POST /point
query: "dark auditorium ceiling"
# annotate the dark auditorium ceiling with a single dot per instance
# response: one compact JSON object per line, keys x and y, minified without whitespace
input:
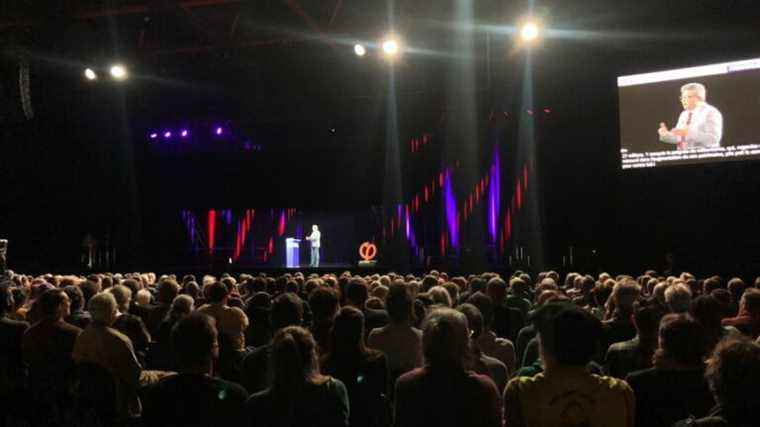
{"x":286,"y":59}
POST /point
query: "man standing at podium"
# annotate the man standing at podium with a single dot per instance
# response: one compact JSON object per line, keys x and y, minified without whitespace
{"x":314,"y":239}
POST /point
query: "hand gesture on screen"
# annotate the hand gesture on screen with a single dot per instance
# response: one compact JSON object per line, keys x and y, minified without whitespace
{"x":663,"y":130}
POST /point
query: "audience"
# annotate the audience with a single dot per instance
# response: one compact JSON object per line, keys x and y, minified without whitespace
{"x":654,"y":331}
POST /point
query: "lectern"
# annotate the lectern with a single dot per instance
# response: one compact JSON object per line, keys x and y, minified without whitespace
{"x":291,"y":252}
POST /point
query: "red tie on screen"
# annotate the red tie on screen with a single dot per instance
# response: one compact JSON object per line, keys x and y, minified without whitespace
{"x":682,"y":142}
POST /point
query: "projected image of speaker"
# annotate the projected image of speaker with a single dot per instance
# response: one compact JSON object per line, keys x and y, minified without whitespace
{"x":699,"y":114}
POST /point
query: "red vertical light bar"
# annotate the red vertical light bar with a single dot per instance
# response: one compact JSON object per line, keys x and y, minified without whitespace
{"x":211,"y":230}
{"x":518,"y":194}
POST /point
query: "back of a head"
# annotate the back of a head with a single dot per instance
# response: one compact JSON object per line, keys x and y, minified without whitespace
{"x":484,"y":304}
{"x":678,"y":298}
{"x":168,"y":289}
{"x":357,"y":292}
{"x":569,"y":334}
{"x":123,"y":296}
{"x":103,"y":308}
{"x":518,"y":286}
{"x":217,"y":292}
{"x":733,"y":372}
{"x":737,"y":287}
{"x":428,"y":282}
{"x":647,"y":321}
{"x":707,"y":310}
{"x":474,"y":318}
{"x":682,"y":341}
{"x":348,"y":333}
{"x":323,"y":302}
{"x":496,"y":289}
{"x":625,"y":294}
{"x":75,"y":297}
{"x":50,"y":303}
{"x":445,"y":339}
{"x":750,"y":302}
{"x":440,"y":296}
{"x":286,"y":310}
{"x":294,"y":360}
{"x":399,"y":302}
{"x":89,"y":289}
{"x":183,"y":305}
{"x":194,"y":340}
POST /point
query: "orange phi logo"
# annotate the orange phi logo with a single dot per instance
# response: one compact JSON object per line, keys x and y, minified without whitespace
{"x":367,"y":251}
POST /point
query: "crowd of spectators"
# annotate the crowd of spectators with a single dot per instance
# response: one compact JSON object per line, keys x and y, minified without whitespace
{"x":379,"y":350}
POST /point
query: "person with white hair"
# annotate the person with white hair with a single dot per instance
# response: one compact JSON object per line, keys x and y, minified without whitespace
{"x":100,"y":344}
{"x":700,"y":125}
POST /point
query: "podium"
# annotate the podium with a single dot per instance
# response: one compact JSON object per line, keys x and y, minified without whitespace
{"x":292,"y":252}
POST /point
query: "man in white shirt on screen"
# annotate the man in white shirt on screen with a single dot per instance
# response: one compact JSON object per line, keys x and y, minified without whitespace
{"x":700,"y":125}
{"x":314,"y":239}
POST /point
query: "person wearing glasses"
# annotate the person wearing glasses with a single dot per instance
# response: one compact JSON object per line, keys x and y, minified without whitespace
{"x":700,"y":125}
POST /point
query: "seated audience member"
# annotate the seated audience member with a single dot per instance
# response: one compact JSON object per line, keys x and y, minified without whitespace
{"x":748,"y":320}
{"x":619,"y":326}
{"x":733,"y":372}
{"x":193,"y":397}
{"x":675,"y":388}
{"x":399,"y":340}
{"x":364,"y":372}
{"x":357,"y":293}
{"x":12,"y":368}
{"x":298,"y":394}
{"x":324,"y":303}
{"x":444,"y":392}
{"x":678,"y":298}
{"x":487,"y":341}
{"x":47,"y":348}
{"x":480,"y":362}
{"x":636,"y":354}
{"x":507,"y":321}
{"x":566,"y":393}
{"x":259,"y":332}
{"x":168,"y":289}
{"x":128,"y":324}
{"x":708,"y":311}
{"x":256,"y":375}
{"x":162,"y":355}
{"x":78,"y":317}
{"x":108,"y":348}
{"x":231,"y":322}
{"x":518,"y":296}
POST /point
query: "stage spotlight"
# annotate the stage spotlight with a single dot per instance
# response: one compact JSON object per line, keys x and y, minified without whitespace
{"x":118,"y":72}
{"x":219,"y":130}
{"x":184,"y":133}
{"x":390,"y":47}
{"x":167,"y":134}
{"x":89,"y":74}
{"x":360,"y":50}
{"x":529,"y":31}
{"x":153,"y":135}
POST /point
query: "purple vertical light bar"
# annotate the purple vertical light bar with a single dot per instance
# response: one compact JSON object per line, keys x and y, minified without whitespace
{"x":407,"y":225}
{"x":451,"y":210}
{"x":494,"y":195}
